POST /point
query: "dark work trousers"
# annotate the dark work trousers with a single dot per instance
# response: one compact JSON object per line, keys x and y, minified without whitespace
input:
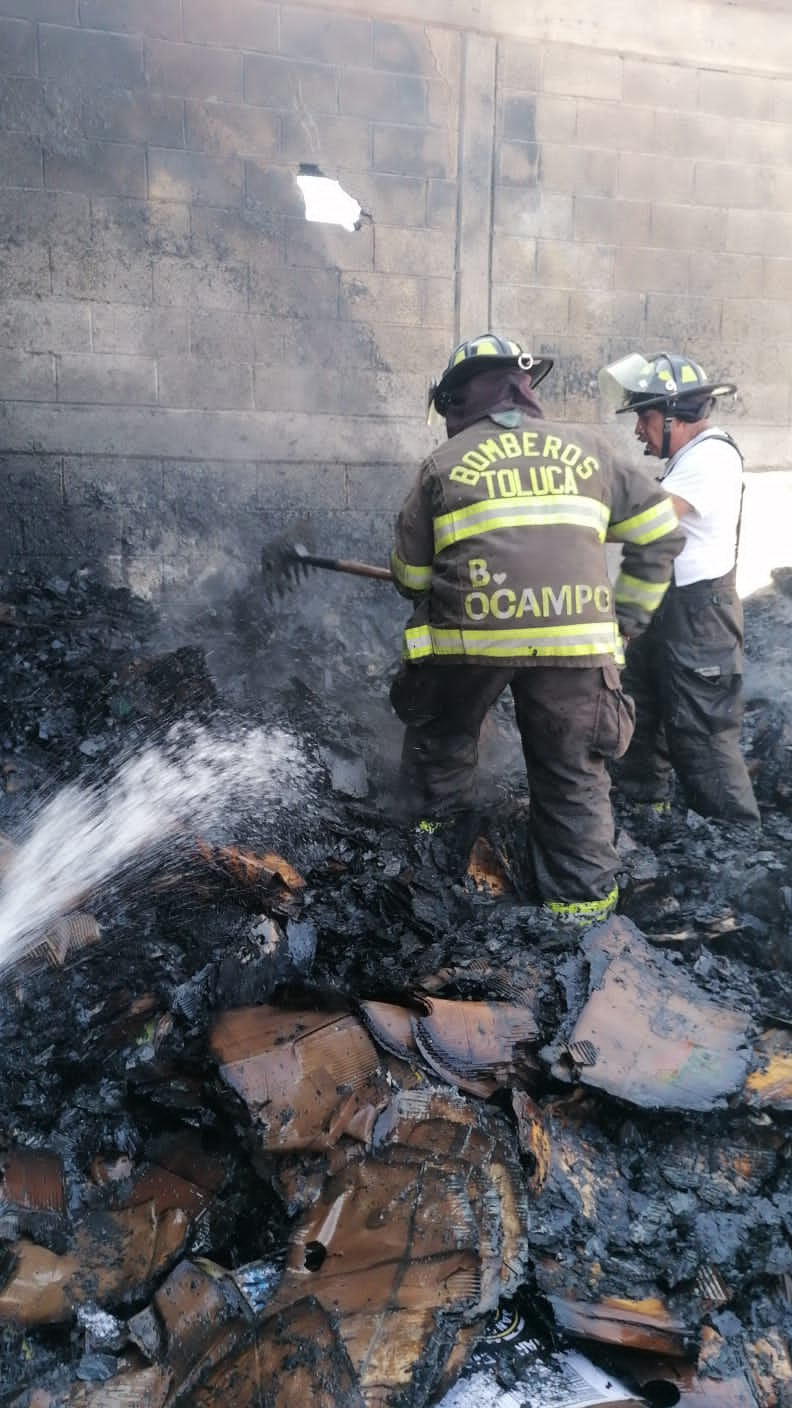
{"x":570,"y":720}
{"x":685,"y":675}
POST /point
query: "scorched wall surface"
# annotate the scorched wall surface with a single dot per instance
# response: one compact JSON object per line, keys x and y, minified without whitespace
{"x":186,"y":364}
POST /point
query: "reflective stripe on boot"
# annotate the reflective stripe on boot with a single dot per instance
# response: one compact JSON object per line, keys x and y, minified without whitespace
{"x":582,"y":911}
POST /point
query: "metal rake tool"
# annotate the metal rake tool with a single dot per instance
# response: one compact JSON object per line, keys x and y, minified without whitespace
{"x":284,"y":563}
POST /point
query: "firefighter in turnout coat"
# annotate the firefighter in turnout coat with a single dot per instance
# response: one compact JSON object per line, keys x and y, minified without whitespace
{"x":501,"y":547}
{"x":686,"y":672}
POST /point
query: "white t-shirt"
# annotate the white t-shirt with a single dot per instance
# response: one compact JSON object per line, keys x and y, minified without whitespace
{"x":707,"y":472}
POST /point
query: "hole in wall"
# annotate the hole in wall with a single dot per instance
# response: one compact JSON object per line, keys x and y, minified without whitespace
{"x":326,"y":201}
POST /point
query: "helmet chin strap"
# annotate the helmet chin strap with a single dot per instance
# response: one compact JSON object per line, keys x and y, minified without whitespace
{"x":665,"y":448}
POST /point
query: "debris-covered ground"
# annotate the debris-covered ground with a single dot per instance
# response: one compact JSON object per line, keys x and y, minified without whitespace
{"x":301,"y":1103}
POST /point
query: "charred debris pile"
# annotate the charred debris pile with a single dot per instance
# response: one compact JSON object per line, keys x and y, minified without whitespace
{"x":299,"y":1103}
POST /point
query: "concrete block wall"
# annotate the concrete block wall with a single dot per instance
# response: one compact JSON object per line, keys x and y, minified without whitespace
{"x":186,"y":364}
{"x":647,"y":201}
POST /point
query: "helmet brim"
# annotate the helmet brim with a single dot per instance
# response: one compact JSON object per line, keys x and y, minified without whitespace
{"x":452,"y":380}
{"x":630,"y":384}
{"x":707,"y":391}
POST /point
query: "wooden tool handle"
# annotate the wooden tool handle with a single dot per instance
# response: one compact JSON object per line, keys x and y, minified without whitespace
{"x":343,"y":564}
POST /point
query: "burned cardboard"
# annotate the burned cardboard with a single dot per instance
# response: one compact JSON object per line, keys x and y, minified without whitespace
{"x":420,"y":1237}
{"x":403,"y":1252}
{"x":478,"y":1046}
{"x":647,"y":1033}
{"x":445,"y":1123}
{"x":645,"y":1323}
{"x":489,"y":869}
{"x":392,"y":1027}
{"x":769,"y":1084}
{"x":64,"y":941}
{"x":185,"y":1326}
{"x":32,"y":1200}
{"x":300,"y":1360}
{"x":265,"y":875}
{"x":628,"y":1221}
{"x":660,"y":1245}
{"x":32,"y":1180}
{"x":112,"y":1257}
{"x":305,"y":1081}
{"x":136,"y":1386}
{"x":719,"y":1378}
{"x":184,"y":1154}
{"x":512,"y":1366}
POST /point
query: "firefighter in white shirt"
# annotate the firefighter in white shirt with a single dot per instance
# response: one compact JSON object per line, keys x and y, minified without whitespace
{"x":685,"y":672}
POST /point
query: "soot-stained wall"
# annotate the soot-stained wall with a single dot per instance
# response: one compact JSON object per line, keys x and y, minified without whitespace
{"x":186,"y":365}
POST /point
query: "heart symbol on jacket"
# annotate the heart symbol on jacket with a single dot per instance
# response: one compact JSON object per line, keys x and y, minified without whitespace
{"x":499,"y":578}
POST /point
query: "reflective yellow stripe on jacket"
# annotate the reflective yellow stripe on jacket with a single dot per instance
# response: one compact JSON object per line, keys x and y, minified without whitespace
{"x":415,"y":579}
{"x":488,"y":515}
{"x":634,"y":591}
{"x":645,"y":527}
{"x":591,"y":638}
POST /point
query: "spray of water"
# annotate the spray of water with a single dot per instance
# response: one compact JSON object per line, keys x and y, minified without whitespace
{"x":87,"y":834}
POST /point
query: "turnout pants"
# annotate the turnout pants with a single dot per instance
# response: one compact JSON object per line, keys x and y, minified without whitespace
{"x":685,"y":675}
{"x":571,"y":721}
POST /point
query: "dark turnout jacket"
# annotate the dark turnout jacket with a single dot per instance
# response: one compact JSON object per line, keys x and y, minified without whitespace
{"x":501,"y":544}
